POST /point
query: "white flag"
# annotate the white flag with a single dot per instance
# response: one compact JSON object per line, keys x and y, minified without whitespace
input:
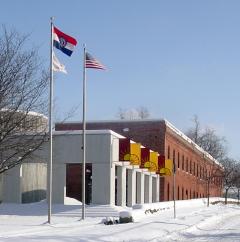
{"x":57,"y":66}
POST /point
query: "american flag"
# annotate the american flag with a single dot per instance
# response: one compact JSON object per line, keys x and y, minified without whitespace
{"x":91,"y":62}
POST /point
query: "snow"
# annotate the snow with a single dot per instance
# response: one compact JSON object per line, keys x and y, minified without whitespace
{"x":152,"y":222}
{"x":181,"y":134}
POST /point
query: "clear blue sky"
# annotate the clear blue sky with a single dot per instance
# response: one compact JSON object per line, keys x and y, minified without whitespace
{"x":177,"y":58}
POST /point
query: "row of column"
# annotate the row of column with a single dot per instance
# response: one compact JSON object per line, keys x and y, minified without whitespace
{"x":136,"y":186}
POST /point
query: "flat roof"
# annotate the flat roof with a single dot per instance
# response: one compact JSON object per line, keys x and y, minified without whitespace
{"x":89,"y":132}
{"x":115,"y":121}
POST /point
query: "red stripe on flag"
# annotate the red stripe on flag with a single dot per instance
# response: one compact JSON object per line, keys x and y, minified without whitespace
{"x":65,"y":36}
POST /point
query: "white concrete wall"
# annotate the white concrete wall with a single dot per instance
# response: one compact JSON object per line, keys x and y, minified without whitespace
{"x":34,"y":182}
{"x":148,"y":189}
{"x":101,"y":152}
{"x":121,"y":185}
{"x":103,"y":184}
{"x":154,"y":189}
{"x":1,"y":187}
{"x":131,"y":200}
{"x":158,"y":180}
{"x":101,"y":149}
{"x":140,"y":187}
{"x":59,"y":183}
{"x":12,"y":185}
{"x":67,"y":148}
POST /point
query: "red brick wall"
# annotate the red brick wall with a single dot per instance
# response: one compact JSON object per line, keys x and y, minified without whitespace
{"x":190,"y":183}
{"x":148,"y":133}
{"x":156,"y":136}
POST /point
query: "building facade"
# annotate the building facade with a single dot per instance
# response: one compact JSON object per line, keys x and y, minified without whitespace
{"x":109,"y":180}
{"x":197,"y":173}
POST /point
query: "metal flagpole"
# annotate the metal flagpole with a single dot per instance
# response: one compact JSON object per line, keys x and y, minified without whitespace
{"x":174,"y":188}
{"x":50,"y":129}
{"x":84,"y":133}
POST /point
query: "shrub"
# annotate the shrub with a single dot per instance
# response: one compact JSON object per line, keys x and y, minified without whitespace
{"x":125,"y":220}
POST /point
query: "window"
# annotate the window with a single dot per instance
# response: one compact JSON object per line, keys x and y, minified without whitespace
{"x":178,"y":158}
{"x":190,"y":166}
{"x":168,"y":192}
{"x":168,"y":152}
{"x":174,"y":164}
{"x":187,"y":165}
{"x":183,"y":162}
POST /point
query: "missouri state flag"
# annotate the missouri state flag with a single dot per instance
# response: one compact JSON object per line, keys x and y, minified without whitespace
{"x":63,"y":42}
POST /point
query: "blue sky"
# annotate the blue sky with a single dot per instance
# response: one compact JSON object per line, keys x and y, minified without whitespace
{"x":177,"y":58}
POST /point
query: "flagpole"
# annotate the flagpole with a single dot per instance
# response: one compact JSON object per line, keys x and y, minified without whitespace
{"x":49,"y":182}
{"x":84,"y":133}
{"x":174,"y":188}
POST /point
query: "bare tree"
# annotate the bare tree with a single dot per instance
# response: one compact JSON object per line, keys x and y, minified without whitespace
{"x":194,"y":132}
{"x":214,"y":174}
{"x":237,"y":180}
{"x":23,"y":83}
{"x":133,"y":114}
{"x":207,"y":139}
{"x":229,"y":175}
{"x":121,"y":113}
{"x":143,"y":112}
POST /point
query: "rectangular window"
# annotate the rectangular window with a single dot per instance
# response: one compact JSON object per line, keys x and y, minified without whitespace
{"x":168,"y":153}
{"x":183,"y":162}
{"x":178,"y":158}
{"x":174,"y":164}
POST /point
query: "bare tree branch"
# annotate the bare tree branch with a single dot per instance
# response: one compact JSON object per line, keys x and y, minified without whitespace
{"x":133,"y":114}
{"x":23,"y":83}
{"x":207,"y":139}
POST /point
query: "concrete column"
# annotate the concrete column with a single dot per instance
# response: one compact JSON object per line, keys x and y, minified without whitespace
{"x":154,"y":189}
{"x":140,"y":187}
{"x":158,"y":188}
{"x":121,"y":186}
{"x":148,"y":189}
{"x":1,"y":186}
{"x":12,"y":185}
{"x":103,"y":183}
{"x":59,"y":183}
{"x":131,"y":195}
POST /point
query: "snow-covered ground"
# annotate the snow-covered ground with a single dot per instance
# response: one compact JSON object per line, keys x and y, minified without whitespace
{"x":194,"y":222}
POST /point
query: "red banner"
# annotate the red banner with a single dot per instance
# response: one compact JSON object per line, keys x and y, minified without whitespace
{"x":145,"y":153}
{"x":124,"y":149}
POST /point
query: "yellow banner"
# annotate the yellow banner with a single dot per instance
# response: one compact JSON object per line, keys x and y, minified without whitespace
{"x":167,"y":170}
{"x":154,"y":160}
{"x":152,"y":164}
{"x":135,"y":153}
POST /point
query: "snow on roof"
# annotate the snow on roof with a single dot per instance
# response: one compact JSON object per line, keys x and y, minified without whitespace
{"x":183,"y":136}
{"x":20,"y":111}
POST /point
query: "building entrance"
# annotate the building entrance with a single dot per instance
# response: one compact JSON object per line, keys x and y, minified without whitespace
{"x":74,"y":182}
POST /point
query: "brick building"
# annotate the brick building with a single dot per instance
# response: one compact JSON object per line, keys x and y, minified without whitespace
{"x":197,"y":172}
